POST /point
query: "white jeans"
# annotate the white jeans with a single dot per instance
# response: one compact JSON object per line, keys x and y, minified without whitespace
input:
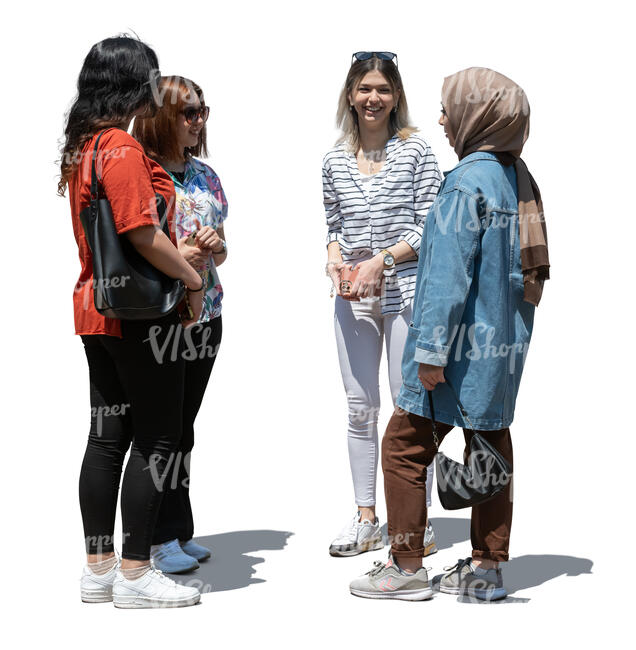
{"x":360,"y":331}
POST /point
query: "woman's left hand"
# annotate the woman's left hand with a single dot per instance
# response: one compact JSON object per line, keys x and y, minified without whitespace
{"x":370,"y":275}
{"x":430,"y":376}
{"x":209,"y":239}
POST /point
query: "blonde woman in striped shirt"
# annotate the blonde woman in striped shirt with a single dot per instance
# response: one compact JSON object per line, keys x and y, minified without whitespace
{"x":378,"y":183}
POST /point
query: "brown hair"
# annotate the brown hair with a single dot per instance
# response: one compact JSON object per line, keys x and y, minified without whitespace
{"x":347,"y":118}
{"x":158,"y":134}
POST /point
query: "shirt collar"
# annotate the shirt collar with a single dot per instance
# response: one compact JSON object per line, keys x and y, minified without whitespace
{"x":192,"y":168}
{"x":471,"y":157}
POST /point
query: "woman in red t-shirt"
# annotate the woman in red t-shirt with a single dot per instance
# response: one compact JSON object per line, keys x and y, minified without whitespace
{"x":136,"y":368}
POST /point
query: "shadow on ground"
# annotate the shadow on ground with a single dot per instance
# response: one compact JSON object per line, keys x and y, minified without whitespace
{"x":529,"y":571}
{"x":448,"y":531}
{"x":519,"y":573}
{"x":230,"y":567}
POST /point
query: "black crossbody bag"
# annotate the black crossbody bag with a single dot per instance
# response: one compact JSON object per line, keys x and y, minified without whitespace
{"x":125,"y":284}
{"x":486,"y":473}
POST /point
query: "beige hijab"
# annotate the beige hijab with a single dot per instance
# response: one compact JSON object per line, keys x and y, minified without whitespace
{"x":489,"y":112}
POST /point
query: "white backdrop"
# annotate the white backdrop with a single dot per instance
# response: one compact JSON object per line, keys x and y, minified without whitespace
{"x":271,"y":481}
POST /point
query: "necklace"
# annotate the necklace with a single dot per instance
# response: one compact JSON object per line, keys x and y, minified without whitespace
{"x":372,"y":158}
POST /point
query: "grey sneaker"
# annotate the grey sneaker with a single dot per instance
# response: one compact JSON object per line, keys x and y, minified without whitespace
{"x":357,"y":537}
{"x":429,"y":540}
{"x":387,"y":581}
{"x":464,"y":579}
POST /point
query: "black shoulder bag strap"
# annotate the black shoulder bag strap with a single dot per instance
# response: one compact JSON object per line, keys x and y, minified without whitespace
{"x":462,"y":410}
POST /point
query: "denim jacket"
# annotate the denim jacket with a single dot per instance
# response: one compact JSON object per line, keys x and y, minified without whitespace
{"x":468,"y":310}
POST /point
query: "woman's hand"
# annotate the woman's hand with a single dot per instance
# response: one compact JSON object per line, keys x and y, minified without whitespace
{"x":430,"y":376}
{"x":335,"y":270}
{"x":370,"y":274}
{"x":209,"y":239}
{"x":193,"y":254}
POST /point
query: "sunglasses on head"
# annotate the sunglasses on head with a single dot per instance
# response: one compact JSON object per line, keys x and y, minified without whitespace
{"x":365,"y":56}
{"x":192,"y":114}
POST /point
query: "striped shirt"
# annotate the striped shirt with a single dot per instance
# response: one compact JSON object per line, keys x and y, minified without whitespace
{"x":394,"y":209}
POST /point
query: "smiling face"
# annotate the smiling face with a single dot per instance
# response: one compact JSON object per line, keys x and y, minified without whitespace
{"x":188,"y":134}
{"x":373,"y":100}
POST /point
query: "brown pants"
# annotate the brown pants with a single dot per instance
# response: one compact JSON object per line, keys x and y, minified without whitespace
{"x":407,"y":449}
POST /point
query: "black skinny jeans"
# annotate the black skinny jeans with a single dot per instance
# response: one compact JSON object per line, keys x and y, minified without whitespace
{"x":175,"y":515}
{"x":136,"y":391}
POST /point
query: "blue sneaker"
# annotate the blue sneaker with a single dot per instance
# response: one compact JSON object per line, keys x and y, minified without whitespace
{"x":197,"y":551}
{"x":169,"y":558}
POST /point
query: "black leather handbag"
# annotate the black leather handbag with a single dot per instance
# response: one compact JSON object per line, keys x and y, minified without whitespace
{"x":125,"y":284}
{"x":486,"y":473}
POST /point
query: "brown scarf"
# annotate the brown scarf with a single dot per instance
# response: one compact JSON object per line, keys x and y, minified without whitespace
{"x":489,"y":112}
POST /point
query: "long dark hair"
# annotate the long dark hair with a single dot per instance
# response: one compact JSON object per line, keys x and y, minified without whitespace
{"x":119,"y":77}
{"x":347,"y":118}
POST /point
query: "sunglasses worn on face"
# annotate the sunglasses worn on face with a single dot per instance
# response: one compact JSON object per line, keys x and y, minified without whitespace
{"x":364,"y":56}
{"x":193,"y":114}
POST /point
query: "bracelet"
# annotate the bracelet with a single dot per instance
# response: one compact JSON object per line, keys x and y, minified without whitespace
{"x":199,"y":289}
{"x":223,"y":250}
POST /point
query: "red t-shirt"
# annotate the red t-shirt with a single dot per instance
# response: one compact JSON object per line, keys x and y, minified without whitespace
{"x":129,"y":181}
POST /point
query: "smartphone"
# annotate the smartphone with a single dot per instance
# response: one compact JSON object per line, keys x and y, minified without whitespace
{"x":191,"y":238}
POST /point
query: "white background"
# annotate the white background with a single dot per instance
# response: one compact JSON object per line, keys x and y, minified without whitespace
{"x":271,"y":450}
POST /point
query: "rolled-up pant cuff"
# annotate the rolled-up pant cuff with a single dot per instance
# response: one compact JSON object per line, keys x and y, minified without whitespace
{"x":418,"y":552}
{"x":495,"y":556}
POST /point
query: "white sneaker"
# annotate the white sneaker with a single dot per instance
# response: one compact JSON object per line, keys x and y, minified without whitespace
{"x":357,"y":537}
{"x":429,"y":540}
{"x":153,"y":589}
{"x":98,"y":588}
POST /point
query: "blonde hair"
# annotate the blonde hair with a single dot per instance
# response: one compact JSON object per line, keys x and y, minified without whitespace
{"x":347,"y":118}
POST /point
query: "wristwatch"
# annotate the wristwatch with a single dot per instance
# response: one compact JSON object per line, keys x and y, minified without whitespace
{"x":389,"y":260}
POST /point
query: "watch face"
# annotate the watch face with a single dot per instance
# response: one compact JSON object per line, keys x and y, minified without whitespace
{"x":389,"y":260}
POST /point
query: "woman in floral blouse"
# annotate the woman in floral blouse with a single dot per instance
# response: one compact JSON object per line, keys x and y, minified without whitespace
{"x":173,"y":137}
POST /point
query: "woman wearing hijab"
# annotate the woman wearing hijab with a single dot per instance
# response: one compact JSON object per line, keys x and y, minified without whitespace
{"x":481,"y":270}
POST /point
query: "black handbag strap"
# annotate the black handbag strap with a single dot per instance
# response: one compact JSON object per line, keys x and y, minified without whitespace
{"x":462,"y":410}
{"x":95,"y":183}
{"x":94,"y":179}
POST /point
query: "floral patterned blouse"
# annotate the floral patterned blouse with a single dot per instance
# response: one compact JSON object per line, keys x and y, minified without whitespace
{"x":200,"y":201}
